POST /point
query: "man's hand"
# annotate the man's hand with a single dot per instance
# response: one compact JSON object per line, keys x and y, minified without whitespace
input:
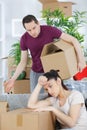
{"x":81,"y":66}
{"x":8,"y":85}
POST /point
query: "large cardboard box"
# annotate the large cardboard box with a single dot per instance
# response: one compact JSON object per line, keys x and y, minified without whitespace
{"x":20,"y":87}
{"x":60,"y":56}
{"x":24,"y":119}
{"x":4,"y":107}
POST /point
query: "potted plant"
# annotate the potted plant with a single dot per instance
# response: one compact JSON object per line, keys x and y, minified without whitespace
{"x":70,"y":25}
{"x":15,"y":53}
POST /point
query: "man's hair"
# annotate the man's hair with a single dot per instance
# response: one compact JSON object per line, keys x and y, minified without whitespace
{"x":28,"y":19}
{"x":53,"y":74}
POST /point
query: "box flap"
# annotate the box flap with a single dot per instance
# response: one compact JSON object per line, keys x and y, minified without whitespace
{"x":63,"y":45}
{"x":49,"y":49}
{"x":54,"y":47}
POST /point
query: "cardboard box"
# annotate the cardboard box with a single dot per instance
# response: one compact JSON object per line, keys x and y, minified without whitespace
{"x":24,"y":119}
{"x":10,"y":61}
{"x":13,"y":68}
{"x":65,"y":7}
{"x":27,"y":69}
{"x":60,"y":56}
{"x":21,"y":87}
{"x":4,"y":107}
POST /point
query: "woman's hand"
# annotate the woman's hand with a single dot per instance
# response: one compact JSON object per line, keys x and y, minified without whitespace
{"x":42,"y":80}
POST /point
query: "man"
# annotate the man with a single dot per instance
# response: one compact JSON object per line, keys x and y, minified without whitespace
{"x":35,"y":37}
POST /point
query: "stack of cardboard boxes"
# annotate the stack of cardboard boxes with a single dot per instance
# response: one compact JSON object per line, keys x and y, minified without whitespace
{"x":66,"y":7}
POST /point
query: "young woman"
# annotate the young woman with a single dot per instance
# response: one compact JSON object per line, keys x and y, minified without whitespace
{"x":67,"y":105}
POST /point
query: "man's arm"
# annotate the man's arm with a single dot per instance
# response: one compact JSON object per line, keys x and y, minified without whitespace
{"x":21,"y":66}
{"x":10,"y":83}
{"x":80,"y":57}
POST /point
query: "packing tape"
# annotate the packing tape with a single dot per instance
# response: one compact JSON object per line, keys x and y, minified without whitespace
{"x":19,"y":120}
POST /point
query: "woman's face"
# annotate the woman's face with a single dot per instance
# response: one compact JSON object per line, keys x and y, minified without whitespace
{"x":33,"y":28}
{"x":53,"y":87}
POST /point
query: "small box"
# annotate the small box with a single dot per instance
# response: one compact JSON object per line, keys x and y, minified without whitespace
{"x":12,"y":67}
{"x":60,"y":56}
{"x":27,"y":70}
{"x":21,"y":87}
{"x":4,"y":107}
{"x":24,"y":119}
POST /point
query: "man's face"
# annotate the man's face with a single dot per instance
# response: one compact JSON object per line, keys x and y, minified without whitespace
{"x":32,"y":28}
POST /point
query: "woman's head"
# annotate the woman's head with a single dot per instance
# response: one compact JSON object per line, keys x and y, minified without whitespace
{"x":52,"y":74}
{"x":54,"y":82}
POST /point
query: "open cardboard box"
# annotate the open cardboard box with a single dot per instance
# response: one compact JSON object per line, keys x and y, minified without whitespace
{"x":61,"y":56}
{"x":25,"y":119}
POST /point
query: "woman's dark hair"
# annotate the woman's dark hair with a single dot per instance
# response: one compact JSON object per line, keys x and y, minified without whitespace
{"x":53,"y":74}
{"x":86,"y":103}
{"x":28,"y":19}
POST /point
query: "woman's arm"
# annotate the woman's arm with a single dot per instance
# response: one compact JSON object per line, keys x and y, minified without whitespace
{"x":33,"y":100}
{"x":71,"y":119}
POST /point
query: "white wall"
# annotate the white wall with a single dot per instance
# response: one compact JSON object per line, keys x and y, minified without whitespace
{"x":18,"y":9}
